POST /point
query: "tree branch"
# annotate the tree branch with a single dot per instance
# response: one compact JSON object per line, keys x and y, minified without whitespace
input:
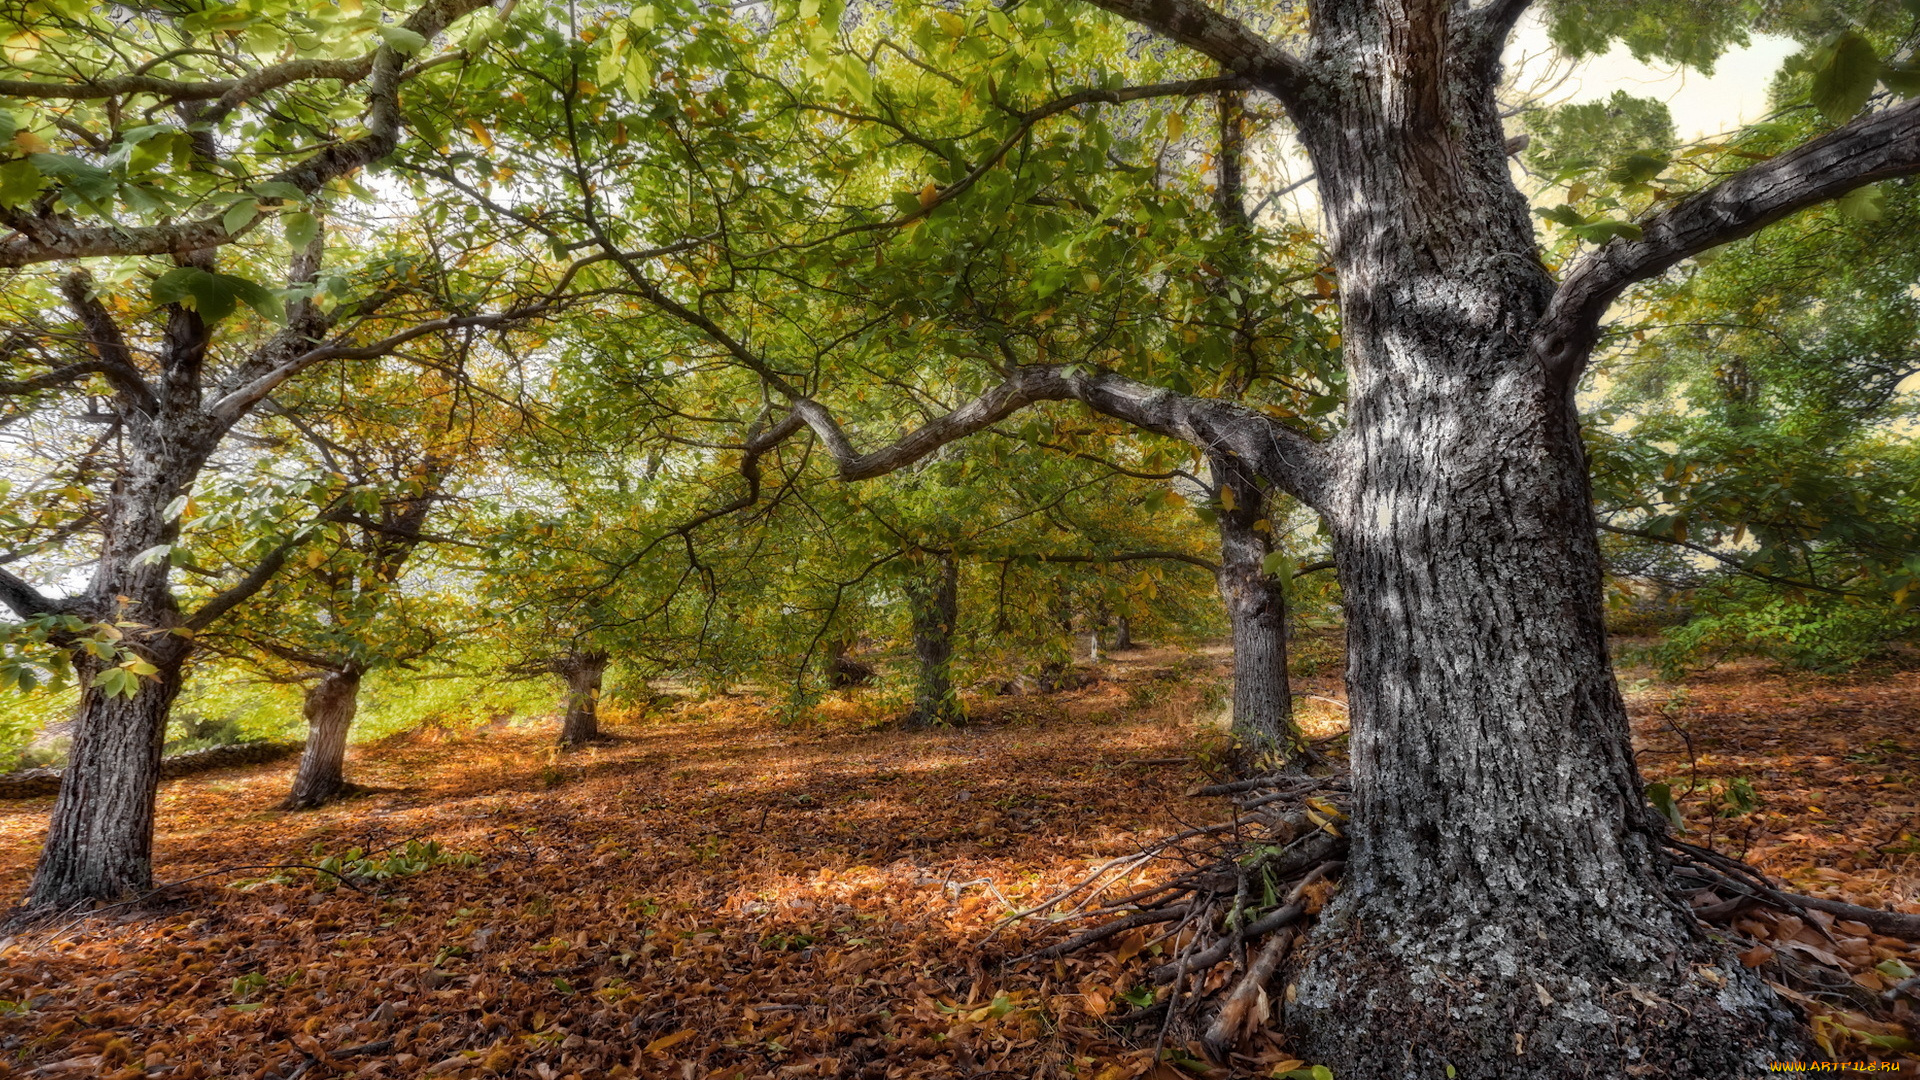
{"x":1280,"y":455}
{"x":1489,"y":26}
{"x":1129,"y":556}
{"x":1727,"y":560}
{"x":1880,"y":146}
{"x":230,"y":92}
{"x":25,"y":600}
{"x":37,"y":239}
{"x":1221,"y":37}
{"x":109,"y":345}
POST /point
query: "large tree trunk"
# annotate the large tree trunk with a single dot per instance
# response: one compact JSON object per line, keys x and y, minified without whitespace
{"x":99,"y":844}
{"x":1506,"y":912}
{"x":584,"y":673}
{"x":330,"y":707}
{"x":934,"y":598}
{"x":1263,"y":730}
{"x":100,"y":840}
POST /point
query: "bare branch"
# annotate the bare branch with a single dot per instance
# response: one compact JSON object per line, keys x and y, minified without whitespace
{"x":1879,"y":146}
{"x":1280,"y":455}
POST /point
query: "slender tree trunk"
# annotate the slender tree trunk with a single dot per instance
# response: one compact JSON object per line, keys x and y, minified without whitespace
{"x":1506,"y":912}
{"x":584,"y":673}
{"x":1122,"y":633}
{"x":100,"y":842}
{"x":1263,"y":728}
{"x":330,"y":707}
{"x":1057,"y":674}
{"x":935,"y":601}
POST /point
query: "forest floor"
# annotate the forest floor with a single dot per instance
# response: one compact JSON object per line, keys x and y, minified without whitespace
{"x":714,"y":895}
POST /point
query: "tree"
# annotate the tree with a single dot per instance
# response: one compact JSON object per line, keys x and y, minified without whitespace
{"x":398,"y":441}
{"x":175,"y":156}
{"x":1506,"y":911}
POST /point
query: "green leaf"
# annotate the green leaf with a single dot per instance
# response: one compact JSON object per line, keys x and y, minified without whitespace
{"x":239,"y":216}
{"x":214,"y":296}
{"x":1638,"y":167}
{"x":1661,"y":796}
{"x":300,"y":228}
{"x":1277,"y":564}
{"x":401,"y":40}
{"x":1844,"y":71}
{"x":1599,"y":232}
{"x":91,"y":184}
{"x":1865,"y":203}
{"x":19,"y":183}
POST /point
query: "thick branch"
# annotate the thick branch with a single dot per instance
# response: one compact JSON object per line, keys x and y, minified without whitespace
{"x":1880,"y":146}
{"x":1221,"y":37}
{"x":25,"y":600}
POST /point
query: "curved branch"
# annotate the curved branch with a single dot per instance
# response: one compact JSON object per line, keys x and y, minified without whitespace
{"x":1280,"y":455}
{"x":1880,"y":146}
{"x":1726,"y":560}
{"x":1221,"y":37}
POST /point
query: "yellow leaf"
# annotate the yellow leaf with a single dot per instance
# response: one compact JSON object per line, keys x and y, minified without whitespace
{"x":668,"y":1042}
{"x":1176,"y":125}
{"x":1227,"y":501}
{"x":928,"y":194}
{"x":31,"y":143}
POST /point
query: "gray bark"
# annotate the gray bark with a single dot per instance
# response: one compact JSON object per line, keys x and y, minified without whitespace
{"x":1506,"y":912}
{"x":1505,"y":898}
{"x":934,"y":599}
{"x":584,"y":673}
{"x":1264,"y":734}
{"x":99,"y":843}
{"x":329,"y":708}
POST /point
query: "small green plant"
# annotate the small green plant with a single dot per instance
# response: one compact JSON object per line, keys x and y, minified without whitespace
{"x":356,"y":866}
{"x":246,"y":987}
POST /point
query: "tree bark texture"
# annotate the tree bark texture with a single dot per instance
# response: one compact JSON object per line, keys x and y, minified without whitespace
{"x":329,"y":708}
{"x":99,"y":844}
{"x":934,"y":597}
{"x":100,"y":839}
{"x":1263,"y":730}
{"x":1505,"y":911}
{"x":584,"y":673}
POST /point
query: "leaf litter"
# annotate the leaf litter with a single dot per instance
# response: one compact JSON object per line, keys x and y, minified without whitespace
{"x":714,"y":895}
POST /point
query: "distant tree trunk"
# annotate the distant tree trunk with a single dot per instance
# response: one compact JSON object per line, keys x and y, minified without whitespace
{"x":583,"y":672}
{"x":935,"y":600}
{"x":843,"y":671}
{"x":329,"y":708}
{"x":1122,"y":633}
{"x":1057,"y":674}
{"x":99,"y":843}
{"x":1256,"y":605}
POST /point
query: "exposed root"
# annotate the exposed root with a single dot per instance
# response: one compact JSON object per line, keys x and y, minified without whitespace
{"x":1237,"y":895}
